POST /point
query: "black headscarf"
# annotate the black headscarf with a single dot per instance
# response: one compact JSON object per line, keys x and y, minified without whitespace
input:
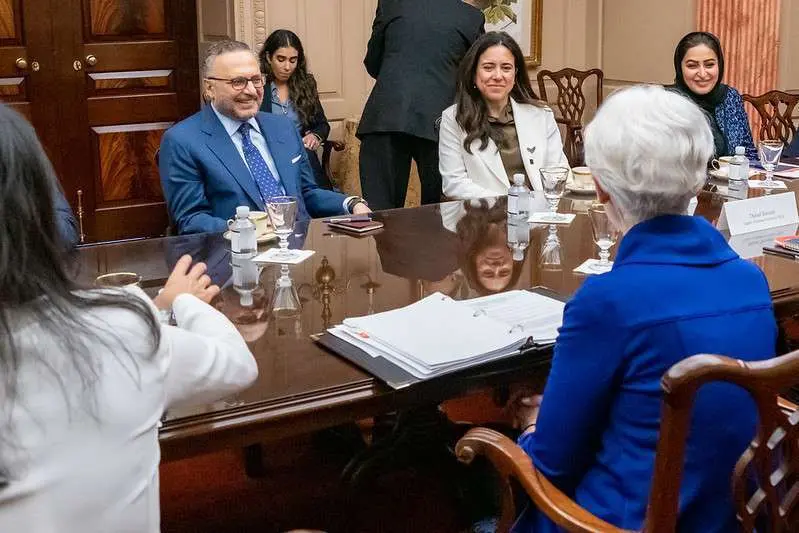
{"x":710,"y":101}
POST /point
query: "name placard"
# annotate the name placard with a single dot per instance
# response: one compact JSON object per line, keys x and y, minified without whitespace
{"x":756,"y":214}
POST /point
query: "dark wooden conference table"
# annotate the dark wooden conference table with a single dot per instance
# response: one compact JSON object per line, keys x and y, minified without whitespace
{"x":447,"y":247}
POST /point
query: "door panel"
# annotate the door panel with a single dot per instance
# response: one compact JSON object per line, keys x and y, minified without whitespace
{"x":14,"y":63}
{"x":139,"y":76}
{"x":115,"y":19}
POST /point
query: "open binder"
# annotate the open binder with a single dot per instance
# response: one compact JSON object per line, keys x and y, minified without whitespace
{"x":438,"y":335}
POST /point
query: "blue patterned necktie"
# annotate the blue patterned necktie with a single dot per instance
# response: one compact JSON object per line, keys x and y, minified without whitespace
{"x":266,"y":182}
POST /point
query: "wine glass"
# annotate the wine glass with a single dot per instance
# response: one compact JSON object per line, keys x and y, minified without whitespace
{"x":604,"y":233}
{"x":551,"y":257}
{"x":285,"y":301}
{"x":770,"y":151}
{"x":282,"y":212}
{"x":554,"y":181}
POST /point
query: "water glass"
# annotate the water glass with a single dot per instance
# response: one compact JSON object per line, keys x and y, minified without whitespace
{"x":285,"y":301}
{"x":554,"y":181}
{"x":551,"y":257}
{"x":282,"y":212}
{"x":770,"y":151}
{"x":605,"y":235}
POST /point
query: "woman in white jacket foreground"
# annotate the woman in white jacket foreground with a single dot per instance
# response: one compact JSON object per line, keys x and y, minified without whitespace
{"x":497,"y":127}
{"x":86,"y":374}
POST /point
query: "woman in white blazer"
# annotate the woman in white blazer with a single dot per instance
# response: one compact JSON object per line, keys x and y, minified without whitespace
{"x":497,"y":126}
{"x":86,"y":374}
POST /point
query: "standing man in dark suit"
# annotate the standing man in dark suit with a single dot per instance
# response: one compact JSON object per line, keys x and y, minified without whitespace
{"x":413,"y":53}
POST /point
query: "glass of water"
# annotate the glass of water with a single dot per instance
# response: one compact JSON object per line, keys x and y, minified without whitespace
{"x":770,"y":151}
{"x":554,"y":181}
{"x":605,"y":235}
{"x":282,"y":212}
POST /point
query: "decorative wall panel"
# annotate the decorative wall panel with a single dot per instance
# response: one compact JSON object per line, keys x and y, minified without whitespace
{"x":749,"y":31}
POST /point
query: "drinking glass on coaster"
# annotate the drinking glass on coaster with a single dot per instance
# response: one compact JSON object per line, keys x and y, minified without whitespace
{"x":605,"y":235}
{"x":117,"y":280}
{"x":770,"y":151}
{"x":554,"y":182}
{"x":285,"y":302}
{"x":282,"y":212}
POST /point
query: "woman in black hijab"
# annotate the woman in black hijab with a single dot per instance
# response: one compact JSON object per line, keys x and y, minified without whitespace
{"x":698,"y":71}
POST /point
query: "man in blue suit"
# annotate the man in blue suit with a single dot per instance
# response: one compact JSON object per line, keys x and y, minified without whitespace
{"x":229,"y":154}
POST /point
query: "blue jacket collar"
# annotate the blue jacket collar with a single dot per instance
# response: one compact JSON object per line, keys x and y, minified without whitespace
{"x":675,"y":240}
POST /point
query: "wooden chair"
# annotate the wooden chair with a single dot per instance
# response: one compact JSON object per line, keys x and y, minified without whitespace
{"x":765,"y":482}
{"x":776,"y":110}
{"x":570,"y":103}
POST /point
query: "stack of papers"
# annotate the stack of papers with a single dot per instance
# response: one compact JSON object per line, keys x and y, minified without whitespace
{"x":438,"y":335}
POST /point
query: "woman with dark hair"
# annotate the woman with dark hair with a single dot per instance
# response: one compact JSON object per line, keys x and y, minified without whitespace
{"x":698,"y":71}
{"x":497,"y":127}
{"x":86,"y":374}
{"x":292,"y":93}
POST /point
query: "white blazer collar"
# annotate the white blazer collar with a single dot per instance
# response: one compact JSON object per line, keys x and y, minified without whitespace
{"x":531,"y":145}
{"x":491,"y":158}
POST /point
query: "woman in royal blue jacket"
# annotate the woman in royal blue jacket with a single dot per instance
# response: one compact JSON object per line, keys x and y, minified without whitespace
{"x":676,"y":289}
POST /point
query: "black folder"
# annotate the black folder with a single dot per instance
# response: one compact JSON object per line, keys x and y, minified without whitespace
{"x":397,"y":378}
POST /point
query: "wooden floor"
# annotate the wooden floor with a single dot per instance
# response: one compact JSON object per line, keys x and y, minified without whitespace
{"x":211,"y":493}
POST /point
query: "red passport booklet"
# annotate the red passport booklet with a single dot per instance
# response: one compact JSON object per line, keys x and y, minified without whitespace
{"x":357,"y":227}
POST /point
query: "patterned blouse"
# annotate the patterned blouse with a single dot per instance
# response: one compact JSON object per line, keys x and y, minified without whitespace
{"x":734,"y":124}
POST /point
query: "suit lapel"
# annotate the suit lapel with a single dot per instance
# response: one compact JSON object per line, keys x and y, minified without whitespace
{"x":492,"y":160}
{"x":220,"y":143}
{"x":531,"y":146}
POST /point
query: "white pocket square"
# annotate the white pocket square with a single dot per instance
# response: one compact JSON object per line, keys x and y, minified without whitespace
{"x":296,"y":159}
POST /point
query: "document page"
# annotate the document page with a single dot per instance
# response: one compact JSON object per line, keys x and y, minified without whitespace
{"x":525,"y":313}
{"x":435,"y":331}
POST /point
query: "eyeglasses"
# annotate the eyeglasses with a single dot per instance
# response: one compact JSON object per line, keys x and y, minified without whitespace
{"x":241,"y":82}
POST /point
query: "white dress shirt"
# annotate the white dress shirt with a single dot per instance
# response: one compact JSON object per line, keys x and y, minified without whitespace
{"x":84,"y":459}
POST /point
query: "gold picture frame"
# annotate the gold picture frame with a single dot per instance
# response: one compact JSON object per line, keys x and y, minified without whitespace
{"x":513,"y":17}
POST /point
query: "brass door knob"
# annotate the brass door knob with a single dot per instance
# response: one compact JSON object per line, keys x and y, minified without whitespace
{"x":91,"y":60}
{"x":21,"y":63}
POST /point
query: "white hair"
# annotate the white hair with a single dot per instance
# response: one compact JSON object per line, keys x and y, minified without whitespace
{"x":648,"y":148}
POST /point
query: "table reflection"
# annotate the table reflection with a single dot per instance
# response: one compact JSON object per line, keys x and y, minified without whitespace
{"x":463,"y":249}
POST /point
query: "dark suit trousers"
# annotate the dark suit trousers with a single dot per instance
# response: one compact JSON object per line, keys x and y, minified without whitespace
{"x":385,"y":166}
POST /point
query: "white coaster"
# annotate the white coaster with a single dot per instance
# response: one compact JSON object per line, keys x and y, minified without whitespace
{"x":591,"y":266}
{"x":273,"y":255}
{"x":545,"y":218}
{"x":758,"y":184}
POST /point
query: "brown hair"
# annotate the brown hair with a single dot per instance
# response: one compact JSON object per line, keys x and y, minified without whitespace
{"x":471,"y":110}
{"x":302,"y":84}
{"x":477,"y":230}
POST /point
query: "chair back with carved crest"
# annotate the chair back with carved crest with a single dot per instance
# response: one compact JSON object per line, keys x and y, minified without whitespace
{"x":764,"y":483}
{"x":570,"y":103}
{"x":776,"y":110}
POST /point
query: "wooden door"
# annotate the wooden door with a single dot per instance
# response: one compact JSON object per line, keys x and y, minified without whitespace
{"x":26,"y":42}
{"x":133,"y":72}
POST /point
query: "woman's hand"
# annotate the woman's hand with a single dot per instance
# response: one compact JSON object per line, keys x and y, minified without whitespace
{"x":186,"y":279}
{"x":523,"y":408}
{"x":311,"y":141}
